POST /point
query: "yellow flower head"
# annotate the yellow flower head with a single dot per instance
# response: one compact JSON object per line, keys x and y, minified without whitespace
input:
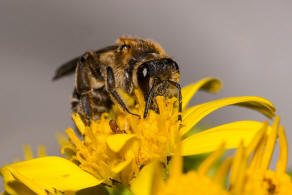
{"x":114,"y":151}
{"x":254,"y":176}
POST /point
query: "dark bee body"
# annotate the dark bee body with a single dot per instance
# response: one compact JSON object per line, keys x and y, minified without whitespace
{"x":131,"y":63}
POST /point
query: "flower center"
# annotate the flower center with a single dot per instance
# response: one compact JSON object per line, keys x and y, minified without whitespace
{"x":116,"y":150}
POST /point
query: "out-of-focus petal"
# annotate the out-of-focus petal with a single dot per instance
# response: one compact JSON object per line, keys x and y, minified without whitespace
{"x":271,"y":144}
{"x":143,"y":184}
{"x":283,"y":157}
{"x":232,"y":134}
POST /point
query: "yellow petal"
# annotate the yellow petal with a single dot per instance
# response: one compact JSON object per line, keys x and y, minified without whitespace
{"x":207,"y":164}
{"x":236,"y":164}
{"x":12,"y":186}
{"x":207,"y":84}
{"x":283,"y":157}
{"x":270,"y":144}
{"x":256,"y":139}
{"x":96,"y":190}
{"x":65,"y":145}
{"x":121,"y":166}
{"x":118,"y":141}
{"x":232,"y":134}
{"x":48,"y":174}
{"x":34,"y":186}
{"x":257,"y":157}
{"x":194,"y":114}
{"x":73,"y":138}
{"x":238,"y":170}
{"x":223,"y":171}
{"x":143,"y":183}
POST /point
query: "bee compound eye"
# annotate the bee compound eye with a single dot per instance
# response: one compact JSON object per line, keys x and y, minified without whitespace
{"x":125,"y":47}
{"x":127,"y":74}
{"x":83,"y":58}
{"x":145,"y":72}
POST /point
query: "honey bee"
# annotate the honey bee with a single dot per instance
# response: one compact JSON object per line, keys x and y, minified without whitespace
{"x":129,"y":64}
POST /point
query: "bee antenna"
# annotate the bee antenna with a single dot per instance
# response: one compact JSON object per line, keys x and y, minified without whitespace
{"x":149,"y":96}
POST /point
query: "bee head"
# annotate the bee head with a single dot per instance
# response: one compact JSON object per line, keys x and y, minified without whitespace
{"x":149,"y":69}
{"x":157,"y":74}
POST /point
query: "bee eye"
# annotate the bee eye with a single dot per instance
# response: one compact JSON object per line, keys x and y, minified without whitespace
{"x":127,"y":75}
{"x":145,"y":72}
{"x":124,"y":47}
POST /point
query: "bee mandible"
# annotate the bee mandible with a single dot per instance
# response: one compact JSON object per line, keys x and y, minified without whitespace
{"x":129,"y":64}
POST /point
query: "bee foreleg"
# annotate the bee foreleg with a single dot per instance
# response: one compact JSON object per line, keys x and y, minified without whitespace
{"x":149,"y":96}
{"x":113,"y":92}
{"x":179,"y":98}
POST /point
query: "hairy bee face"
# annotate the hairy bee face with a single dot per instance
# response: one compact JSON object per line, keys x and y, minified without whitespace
{"x":148,"y":66}
{"x":130,"y":64}
{"x":157,"y":73}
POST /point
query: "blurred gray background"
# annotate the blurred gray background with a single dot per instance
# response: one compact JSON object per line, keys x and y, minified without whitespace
{"x":247,"y":44}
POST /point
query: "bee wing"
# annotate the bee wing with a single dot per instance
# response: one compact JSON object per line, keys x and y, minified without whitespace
{"x":66,"y":68}
{"x":70,"y":66}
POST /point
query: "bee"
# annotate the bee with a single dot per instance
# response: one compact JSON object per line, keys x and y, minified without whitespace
{"x":132,"y":63}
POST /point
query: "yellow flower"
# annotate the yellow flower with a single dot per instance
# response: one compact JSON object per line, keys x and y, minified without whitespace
{"x":254,"y":176}
{"x":117,"y":152}
{"x":151,"y":182}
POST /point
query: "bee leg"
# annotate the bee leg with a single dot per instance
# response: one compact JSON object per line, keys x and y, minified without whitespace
{"x":76,"y":105}
{"x":86,"y":105}
{"x":149,"y":96}
{"x":113,"y":92}
{"x":83,"y":87}
{"x":179,"y":98}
